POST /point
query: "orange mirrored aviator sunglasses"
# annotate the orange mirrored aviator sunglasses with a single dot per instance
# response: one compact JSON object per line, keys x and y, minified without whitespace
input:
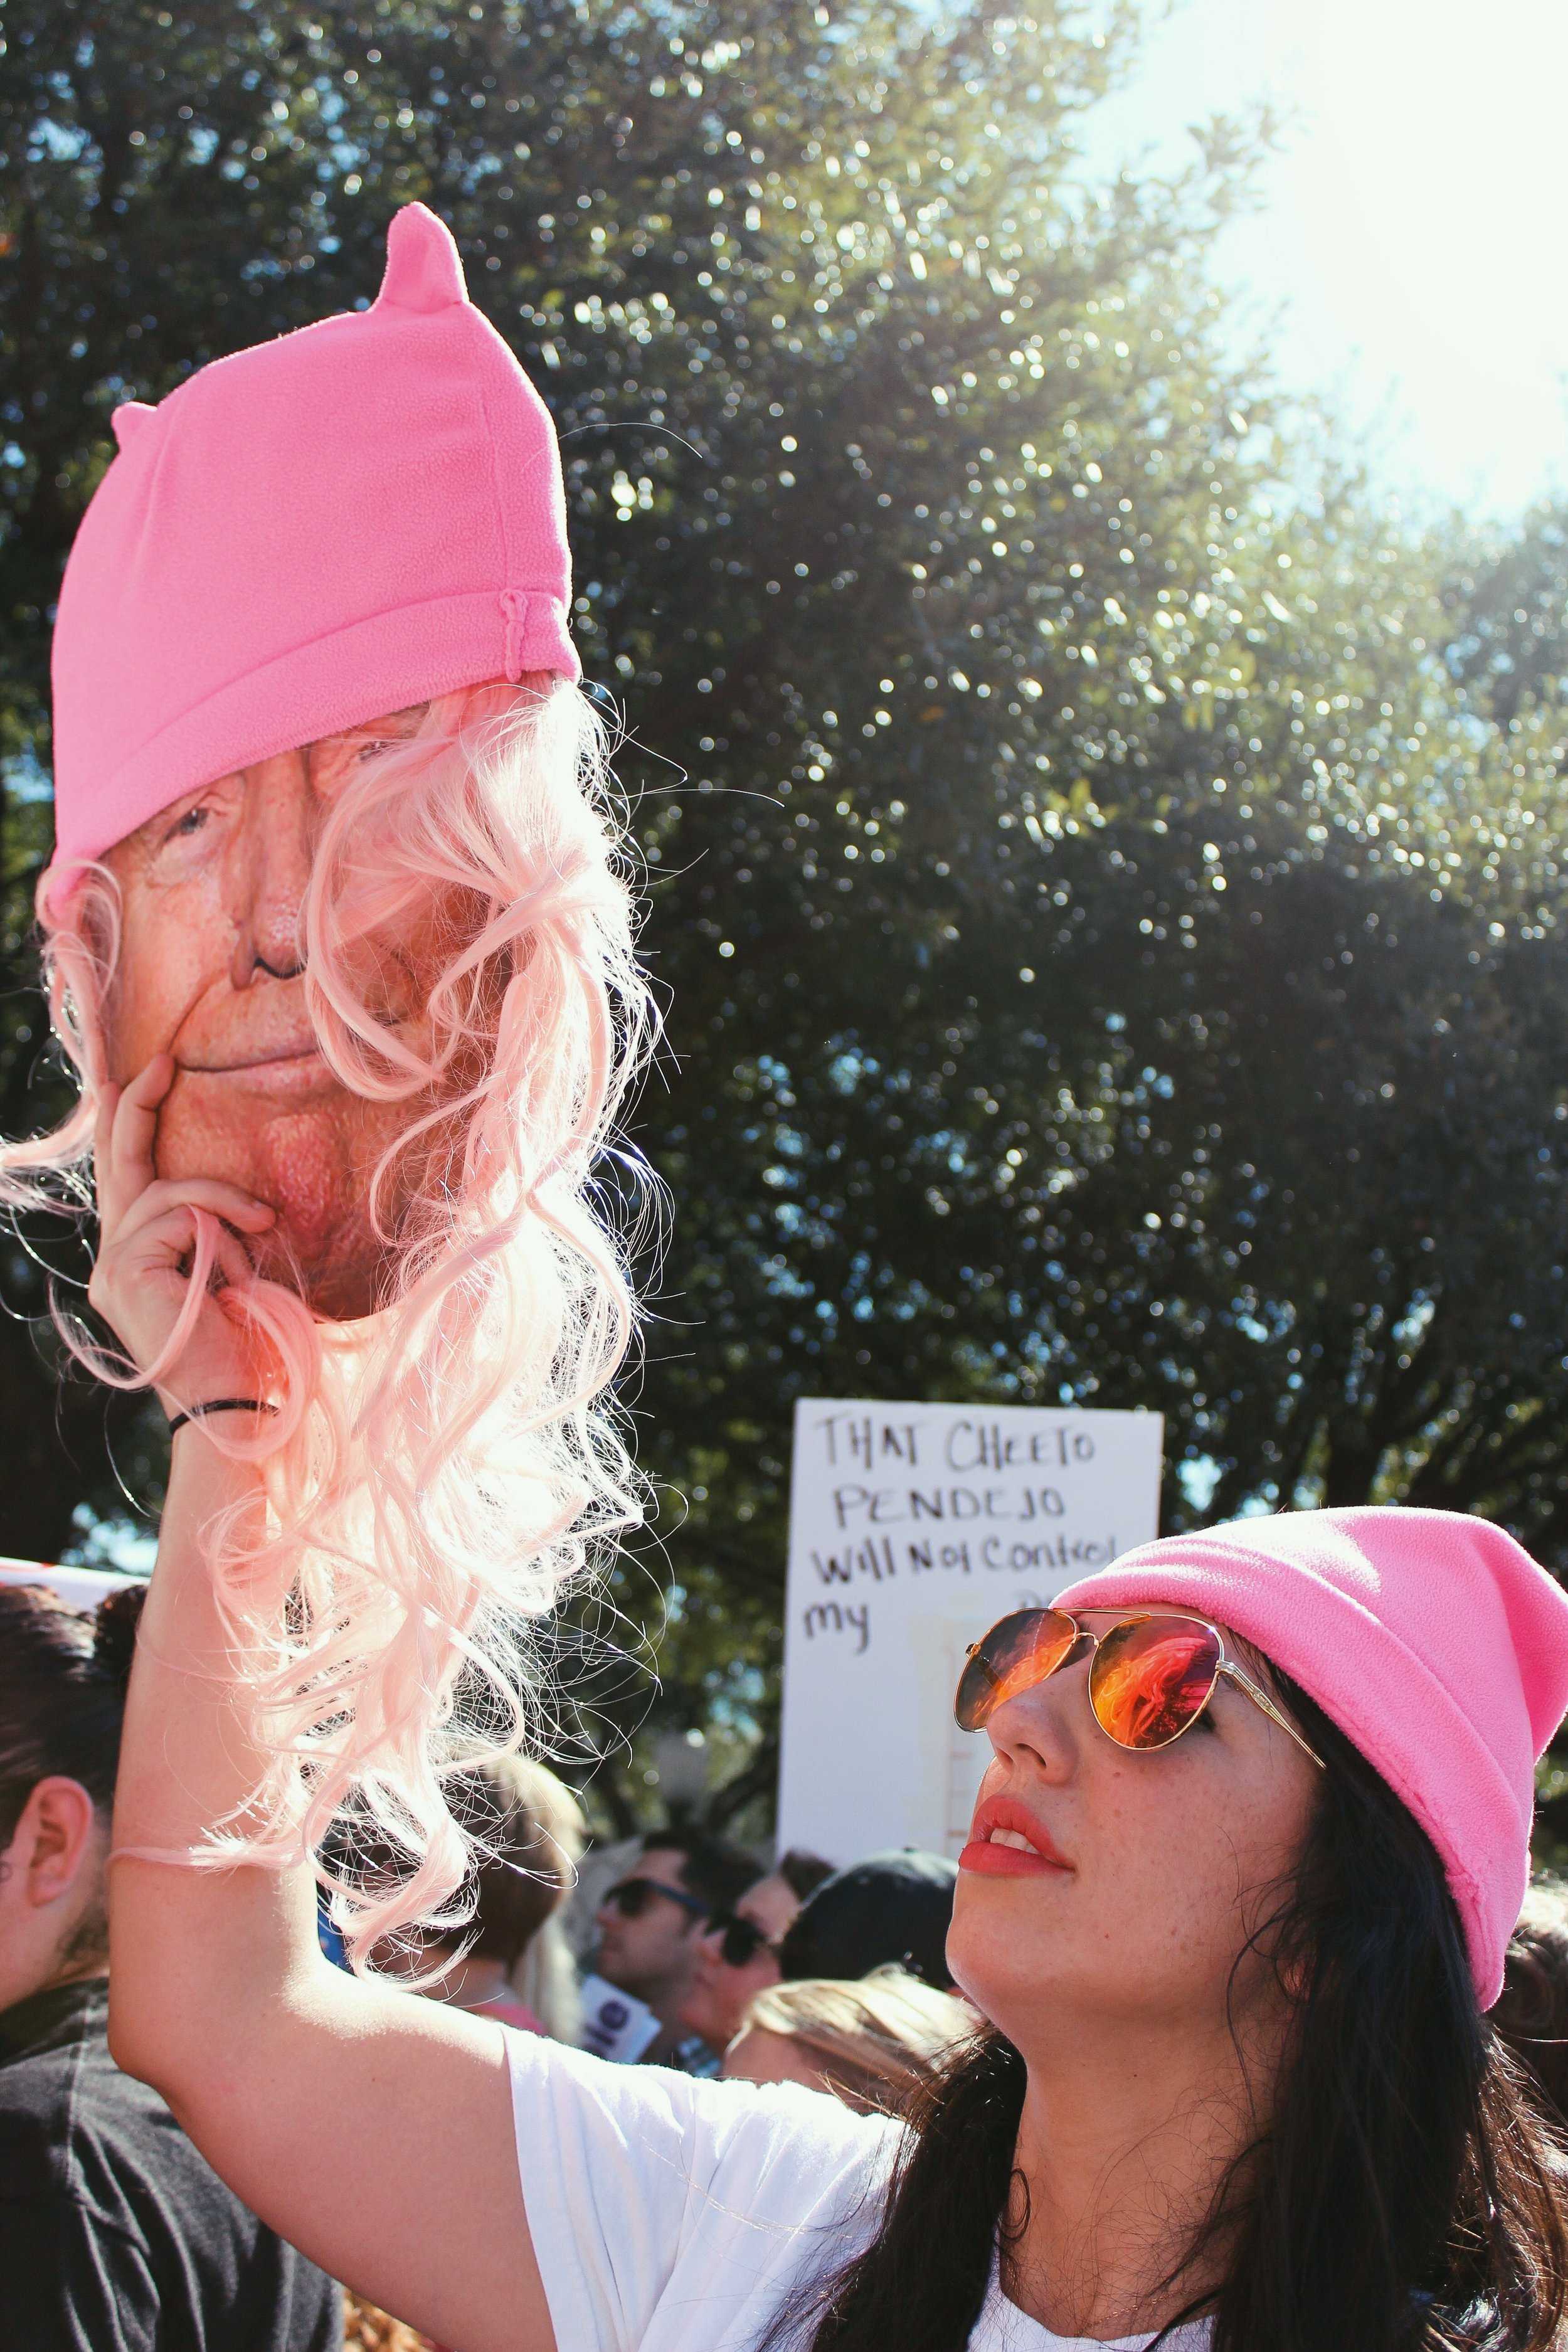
{"x":1151,"y":1674}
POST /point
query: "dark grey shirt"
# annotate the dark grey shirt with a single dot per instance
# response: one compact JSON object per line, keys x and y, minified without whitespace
{"x":115,"y":2234}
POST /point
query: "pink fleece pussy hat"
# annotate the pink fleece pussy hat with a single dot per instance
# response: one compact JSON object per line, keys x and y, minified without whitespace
{"x":346,"y":521}
{"x":1433,"y":1641}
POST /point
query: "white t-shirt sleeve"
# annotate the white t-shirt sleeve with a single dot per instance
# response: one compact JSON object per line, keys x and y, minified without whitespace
{"x":672,"y":2215}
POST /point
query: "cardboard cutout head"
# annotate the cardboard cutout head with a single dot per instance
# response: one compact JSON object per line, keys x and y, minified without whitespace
{"x":356,"y":516}
{"x":289,"y":558}
{"x":210,"y":970}
{"x":332,"y":831}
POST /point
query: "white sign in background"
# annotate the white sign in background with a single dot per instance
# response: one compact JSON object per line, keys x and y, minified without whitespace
{"x":912,"y":1528}
{"x":83,"y":1588}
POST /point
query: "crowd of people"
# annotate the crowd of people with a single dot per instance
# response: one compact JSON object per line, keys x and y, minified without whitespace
{"x":114,"y":2232}
{"x":697,"y":1931}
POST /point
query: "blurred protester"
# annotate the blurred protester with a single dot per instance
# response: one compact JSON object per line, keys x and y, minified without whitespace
{"x":366,"y":2329}
{"x":739,"y":1954}
{"x":114,"y":2234}
{"x":512,"y":1964}
{"x":893,"y":1909}
{"x":1531,"y":2016}
{"x":650,"y":1927}
{"x":874,"y":2045}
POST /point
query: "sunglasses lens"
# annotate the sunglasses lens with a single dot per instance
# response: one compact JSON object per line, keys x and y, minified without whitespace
{"x":741,"y":1943}
{"x":1014,"y":1656}
{"x":1153,"y":1677}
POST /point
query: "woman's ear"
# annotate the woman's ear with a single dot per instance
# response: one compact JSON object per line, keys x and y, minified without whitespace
{"x":57,"y":1842}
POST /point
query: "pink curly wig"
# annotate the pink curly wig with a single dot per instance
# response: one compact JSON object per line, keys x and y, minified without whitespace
{"x":438,"y":1473}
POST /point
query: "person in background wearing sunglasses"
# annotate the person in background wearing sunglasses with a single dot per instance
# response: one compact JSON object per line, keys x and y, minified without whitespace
{"x":650,"y":1927}
{"x":737,"y":1956}
{"x":1249,"y":1846}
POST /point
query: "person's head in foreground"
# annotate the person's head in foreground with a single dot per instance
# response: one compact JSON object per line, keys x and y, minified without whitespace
{"x":1242,"y":1874}
{"x":737,"y":1956}
{"x":891,"y":1910}
{"x":338,"y":940}
{"x":113,"y":2230}
{"x":874,"y":2044}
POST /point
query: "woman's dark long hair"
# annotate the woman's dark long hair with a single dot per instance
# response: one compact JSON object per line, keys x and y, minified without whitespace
{"x":1407,"y":2194}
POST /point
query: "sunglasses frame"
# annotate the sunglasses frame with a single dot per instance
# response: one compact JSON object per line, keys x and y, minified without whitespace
{"x":722,"y":1923}
{"x":1225,"y":1666}
{"x":693,"y":1903}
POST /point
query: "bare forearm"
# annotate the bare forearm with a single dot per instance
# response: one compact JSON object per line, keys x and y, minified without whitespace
{"x":372,"y":2129}
{"x":191,"y":1944}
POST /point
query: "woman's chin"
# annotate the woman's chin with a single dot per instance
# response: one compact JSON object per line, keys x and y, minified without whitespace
{"x":1004,"y":1942}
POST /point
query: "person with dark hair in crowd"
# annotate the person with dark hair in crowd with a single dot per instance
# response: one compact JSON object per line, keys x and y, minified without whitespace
{"x":115,"y":2235}
{"x":650,"y":1927}
{"x":891,"y":1910}
{"x":739,"y":1955}
{"x":1532,"y":2015}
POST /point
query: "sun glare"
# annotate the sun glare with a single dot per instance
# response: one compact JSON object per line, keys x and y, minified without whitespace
{"x":1410,"y":230}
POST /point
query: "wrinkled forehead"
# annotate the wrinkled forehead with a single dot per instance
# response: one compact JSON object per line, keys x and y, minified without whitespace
{"x":321,"y":764}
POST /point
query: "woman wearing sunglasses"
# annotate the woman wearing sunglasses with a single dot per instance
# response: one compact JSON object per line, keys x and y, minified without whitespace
{"x":739,"y":1955}
{"x":1250,"y":1843}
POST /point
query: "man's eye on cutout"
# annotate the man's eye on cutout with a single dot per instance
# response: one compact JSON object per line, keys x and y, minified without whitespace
{"x":322,"y":755}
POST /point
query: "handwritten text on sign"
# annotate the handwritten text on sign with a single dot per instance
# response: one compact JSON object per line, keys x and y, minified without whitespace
{"x":913,"y":1528}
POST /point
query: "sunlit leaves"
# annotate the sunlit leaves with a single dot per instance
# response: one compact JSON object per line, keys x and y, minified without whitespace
{"x":1106,"y":870}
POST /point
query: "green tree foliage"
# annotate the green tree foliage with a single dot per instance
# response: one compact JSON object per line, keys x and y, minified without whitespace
{"x":1107,"y":902}
{"x":1509,"y":603}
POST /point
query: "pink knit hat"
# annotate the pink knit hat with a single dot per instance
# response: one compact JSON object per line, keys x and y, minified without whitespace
{"x":1432,"y":1640}
{"x":343,"y":522}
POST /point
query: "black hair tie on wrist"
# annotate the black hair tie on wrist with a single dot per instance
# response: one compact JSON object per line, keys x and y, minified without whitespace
{"x":219,"y":1404}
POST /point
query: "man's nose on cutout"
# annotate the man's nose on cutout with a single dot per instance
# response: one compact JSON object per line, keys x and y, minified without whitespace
{"x":278,"y":842}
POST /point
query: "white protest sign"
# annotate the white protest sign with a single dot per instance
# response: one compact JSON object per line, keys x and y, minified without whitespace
{"x":616,"y":2024}
{"x":912,"y":1528}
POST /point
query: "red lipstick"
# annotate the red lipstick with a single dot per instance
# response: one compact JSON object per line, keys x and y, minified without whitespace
{"x":1040,"y":1858}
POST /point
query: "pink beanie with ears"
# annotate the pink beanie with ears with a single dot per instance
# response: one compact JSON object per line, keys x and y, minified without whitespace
{"x":345,"y":522}
{"x":1432,"y":1640}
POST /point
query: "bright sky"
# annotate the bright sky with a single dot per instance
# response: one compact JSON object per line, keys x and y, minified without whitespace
{"x":1414,"y":223}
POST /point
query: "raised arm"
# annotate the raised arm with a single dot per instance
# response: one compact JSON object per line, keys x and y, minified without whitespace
{"x":371,"y":2127}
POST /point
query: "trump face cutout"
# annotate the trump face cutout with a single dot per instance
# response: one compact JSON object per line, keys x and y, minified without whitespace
{"x":210,"y":971}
